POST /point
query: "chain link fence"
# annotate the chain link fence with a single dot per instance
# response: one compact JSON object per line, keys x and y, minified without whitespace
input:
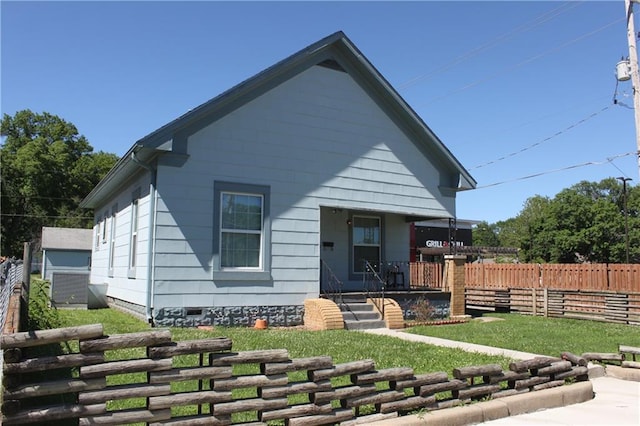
{"x":11,"y":273}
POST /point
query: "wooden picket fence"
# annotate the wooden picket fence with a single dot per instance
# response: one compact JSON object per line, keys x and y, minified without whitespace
{"x":426,"y":275}
{"x":590,"y":276}
{"x":205,"y":377}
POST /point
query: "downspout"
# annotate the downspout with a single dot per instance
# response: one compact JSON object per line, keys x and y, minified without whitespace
{"x":152,"y":235}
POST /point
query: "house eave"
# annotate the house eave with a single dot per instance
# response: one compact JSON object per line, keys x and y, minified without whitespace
{"x":123,"y":170}
{"x":173,"y":136}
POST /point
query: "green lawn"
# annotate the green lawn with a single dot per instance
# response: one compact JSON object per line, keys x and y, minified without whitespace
{"x":341,"y":345}
{"x":538,"y":335}
{"x":531,"y":334}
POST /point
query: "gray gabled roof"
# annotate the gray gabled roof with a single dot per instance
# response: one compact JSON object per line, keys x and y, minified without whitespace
{"x":337,"y":49}
{"x":66,"y":238}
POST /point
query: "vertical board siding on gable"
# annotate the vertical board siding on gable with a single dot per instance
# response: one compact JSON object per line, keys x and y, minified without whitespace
{"x":317,"y":139}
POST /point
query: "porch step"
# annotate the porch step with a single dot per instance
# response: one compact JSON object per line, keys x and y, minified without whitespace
{"x":353,"y":298}
{"x":361,"y":316}
{"x":364,"y":324}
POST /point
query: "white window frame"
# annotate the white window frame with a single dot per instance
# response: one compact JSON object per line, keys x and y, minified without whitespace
{"x":112,"y":239}
{"x":133,"y":236}
{"x":97,"y":234}
{"x":104,"y":228}
{"x":263,"y":271}
{"x":355,"y":261}
{"x":236,"y":231}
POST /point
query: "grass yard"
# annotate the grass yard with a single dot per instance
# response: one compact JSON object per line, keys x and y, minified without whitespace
{"x":538,"y":335}
{"x":531,"y":334}
{"x":341,"y":345}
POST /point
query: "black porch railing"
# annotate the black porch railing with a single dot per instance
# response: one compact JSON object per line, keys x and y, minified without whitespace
{"x":330,"y":284}
{"x":373,"y":284}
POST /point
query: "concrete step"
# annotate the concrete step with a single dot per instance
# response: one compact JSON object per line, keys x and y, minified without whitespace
{"x":364,"y":324}
{"x":353,"y":298}
{"x":356,"y":307}
{"x":360,"y":316}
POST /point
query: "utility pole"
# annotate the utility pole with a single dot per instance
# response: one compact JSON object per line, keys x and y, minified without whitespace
{"x":624,"y":181}
{"x":635,"y":75}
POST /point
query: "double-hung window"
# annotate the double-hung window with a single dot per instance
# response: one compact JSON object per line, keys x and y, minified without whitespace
{"x":104,"y":228}
{"x":133,"y":237}
{"x":366,"y":243}
{"x":112,"y":239}
{"x":242,"y":231}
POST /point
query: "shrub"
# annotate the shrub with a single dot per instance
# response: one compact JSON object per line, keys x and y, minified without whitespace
{"x":423,"y":310}
{"x":42,"y":315}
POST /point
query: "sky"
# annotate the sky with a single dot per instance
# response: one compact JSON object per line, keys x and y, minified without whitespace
{"x":524,"y":94}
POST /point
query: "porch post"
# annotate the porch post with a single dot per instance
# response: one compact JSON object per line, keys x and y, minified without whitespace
{"x":454,"y":272}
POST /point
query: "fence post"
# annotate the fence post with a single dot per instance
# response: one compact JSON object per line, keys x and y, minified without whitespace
{"x":454,"y":273}
{"x":26,"y":285}
{"x":546,"y":302}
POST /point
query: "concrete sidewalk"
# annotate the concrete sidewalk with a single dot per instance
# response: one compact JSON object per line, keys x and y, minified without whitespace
{"x":436,"y":341}
{"x":616,"y":401}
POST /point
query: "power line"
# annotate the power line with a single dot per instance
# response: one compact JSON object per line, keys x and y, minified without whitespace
{"x":524,"y":62}
{"x":47,"y":216}
{"x":533,"y":145}
{"x":29,"y":197}
{"x":547,"y":16}
{"x":575,"y":166}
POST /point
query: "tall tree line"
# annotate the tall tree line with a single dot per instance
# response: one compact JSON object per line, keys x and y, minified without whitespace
{"x":46,"y":169}
{"x":588,"y":222}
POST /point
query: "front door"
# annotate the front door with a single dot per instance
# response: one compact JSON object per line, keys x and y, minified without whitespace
{"x":365,"y":243}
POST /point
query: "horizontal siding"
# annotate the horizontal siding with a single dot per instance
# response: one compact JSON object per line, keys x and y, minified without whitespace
{"x":300,"y":262}
{"x":119,"y":285}
{"x":315,"y":140}
{"x":232,"y":299}
{"x":287,"y":249}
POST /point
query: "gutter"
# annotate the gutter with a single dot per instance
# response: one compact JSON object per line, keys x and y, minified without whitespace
{"x":152,"y":234}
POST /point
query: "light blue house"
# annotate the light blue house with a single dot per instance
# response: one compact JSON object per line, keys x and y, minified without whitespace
{"x":226,"y":213}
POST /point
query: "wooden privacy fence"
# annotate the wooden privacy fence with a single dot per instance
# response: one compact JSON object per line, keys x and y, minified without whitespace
{"x":221,"y":386}
{"x":603,"y":292}
{"x":590,"y":276}
{"x":425,"y":275}
{"x":608,"y":306}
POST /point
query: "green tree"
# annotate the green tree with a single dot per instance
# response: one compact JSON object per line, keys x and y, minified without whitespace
{"x":46,"y":169}
{"x":484,"y":234}
{"x":583,"y":223}
{"x":534,"y":226}
{"x":508,"y":232}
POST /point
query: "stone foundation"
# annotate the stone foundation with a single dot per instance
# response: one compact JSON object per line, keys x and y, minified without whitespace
{"x":229,"y":316}
{"x":128,"y":307}
{"x":439,"y":301}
